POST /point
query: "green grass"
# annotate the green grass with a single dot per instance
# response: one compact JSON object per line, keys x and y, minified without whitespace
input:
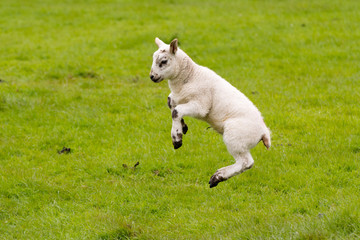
{"x":75,"y":74}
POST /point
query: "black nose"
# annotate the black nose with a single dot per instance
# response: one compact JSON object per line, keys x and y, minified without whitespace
{"x":151,"y":77}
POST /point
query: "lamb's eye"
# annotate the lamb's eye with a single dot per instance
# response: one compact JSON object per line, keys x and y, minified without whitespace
{"x":163,"y":62}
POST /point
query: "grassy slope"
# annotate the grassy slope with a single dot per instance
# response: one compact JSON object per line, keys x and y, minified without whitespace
{"x":77,"y":76}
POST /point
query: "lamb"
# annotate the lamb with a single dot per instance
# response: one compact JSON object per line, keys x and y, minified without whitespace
{"x":199,"y":92}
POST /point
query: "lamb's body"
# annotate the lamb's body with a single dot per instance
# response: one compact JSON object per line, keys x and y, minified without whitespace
{"x":199,"y":92}
{"x":221,"y":100}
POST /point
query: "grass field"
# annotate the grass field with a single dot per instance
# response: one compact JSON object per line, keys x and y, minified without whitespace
{"x":76,"y":74}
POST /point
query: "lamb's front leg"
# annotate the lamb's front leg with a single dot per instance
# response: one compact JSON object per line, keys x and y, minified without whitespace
{"x":176,"y":133}
{"x":192,"y":109}
{"x":172,"y":105}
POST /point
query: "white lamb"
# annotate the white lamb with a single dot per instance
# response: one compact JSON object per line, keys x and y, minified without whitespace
{"x":198,"y":92}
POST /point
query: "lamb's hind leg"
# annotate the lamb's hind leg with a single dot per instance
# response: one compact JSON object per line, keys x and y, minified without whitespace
{"x":240,"y":135}
{"x":244,"y":161}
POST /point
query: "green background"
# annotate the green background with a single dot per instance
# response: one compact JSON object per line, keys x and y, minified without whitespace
{"x":76,"y":74}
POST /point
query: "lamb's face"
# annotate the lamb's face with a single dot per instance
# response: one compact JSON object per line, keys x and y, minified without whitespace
{"x":164,"y":61}
{"x":162,"y":67}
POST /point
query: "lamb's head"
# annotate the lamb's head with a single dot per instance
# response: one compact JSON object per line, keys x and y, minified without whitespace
{"x":165,"y":64}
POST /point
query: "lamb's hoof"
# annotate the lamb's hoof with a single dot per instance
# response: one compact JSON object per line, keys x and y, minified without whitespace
{"x":215,"y":180}
{"x":177,"y":144}
{"x":185,"y":129}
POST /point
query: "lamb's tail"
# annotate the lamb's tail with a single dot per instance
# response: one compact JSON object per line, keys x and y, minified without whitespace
{"x":266,"y":138}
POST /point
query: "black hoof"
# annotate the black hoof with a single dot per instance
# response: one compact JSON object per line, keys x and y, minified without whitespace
{"x":185,"y":129}
{"x":214,"y":184}
{"x":215,"y":180}
{"x":177,"y":144}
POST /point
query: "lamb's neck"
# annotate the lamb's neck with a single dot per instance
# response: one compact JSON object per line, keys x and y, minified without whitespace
{"x":186,"y":73}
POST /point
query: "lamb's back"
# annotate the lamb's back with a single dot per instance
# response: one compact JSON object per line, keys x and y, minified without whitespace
{"x":227,"y":102}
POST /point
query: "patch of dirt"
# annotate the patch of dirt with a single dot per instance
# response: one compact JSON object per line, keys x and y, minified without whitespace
{"x":65,"y":150}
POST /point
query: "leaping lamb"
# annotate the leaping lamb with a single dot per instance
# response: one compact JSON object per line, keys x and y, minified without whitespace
{"x":199,"y":92}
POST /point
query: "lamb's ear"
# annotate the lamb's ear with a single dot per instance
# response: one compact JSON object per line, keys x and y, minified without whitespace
{"x":159,"y":42}
{"x":174,"y":46}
